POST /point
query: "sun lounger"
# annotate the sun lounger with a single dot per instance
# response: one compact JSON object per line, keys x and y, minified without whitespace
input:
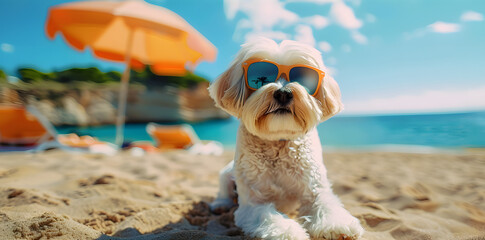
{"x":71,"y":142}
{"x":22,"y":126}
{"x":182,"y":136}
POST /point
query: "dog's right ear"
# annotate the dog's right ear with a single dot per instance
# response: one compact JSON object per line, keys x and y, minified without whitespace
{"x":229,"y":90}
{"x":330,"y":97}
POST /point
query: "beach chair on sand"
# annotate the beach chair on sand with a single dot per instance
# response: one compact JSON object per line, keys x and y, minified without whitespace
{"x":182,"y":136}
{"x":26,"y":126}
{"x":20,"y":128}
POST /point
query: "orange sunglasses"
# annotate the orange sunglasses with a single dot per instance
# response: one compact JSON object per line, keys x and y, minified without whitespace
{"x":259,"y":72}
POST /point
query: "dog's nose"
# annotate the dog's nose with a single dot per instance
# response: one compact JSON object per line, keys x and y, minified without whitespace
{"x":283,"y":95}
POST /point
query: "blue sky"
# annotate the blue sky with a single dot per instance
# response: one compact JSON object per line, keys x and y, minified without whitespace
{"x":387,"y":56}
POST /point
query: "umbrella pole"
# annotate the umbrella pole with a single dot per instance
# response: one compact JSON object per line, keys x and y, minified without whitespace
{"x":122,"y":98}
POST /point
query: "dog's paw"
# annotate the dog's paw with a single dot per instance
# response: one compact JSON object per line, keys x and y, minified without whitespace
{"x":281,"y":228}
{"x":221,"y":205}
{"x":338,"y":225}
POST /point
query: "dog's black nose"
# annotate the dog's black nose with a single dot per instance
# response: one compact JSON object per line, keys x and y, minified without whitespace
{"x":283,"y":95}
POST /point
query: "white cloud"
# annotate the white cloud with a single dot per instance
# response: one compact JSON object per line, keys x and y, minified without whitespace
{"x":344,"y":16}
{"x":314,"y":1}
{"x":415,"y":34}
{"x":325,"y":46}
{"x":276,"y":35}
{"x":359,"y":37}
{"x":346,"y":48}
{"x":240,"y":26}
{"x":6,"y":47}
{"x":355,"y":2}
{"x":261,"y":15}
{"x":429,"y":101}
{"x":436,"y":27}
{"x":370,"y":18}
{"x":231,"y":7}
{"x":317,"y":21}
{"x":270,"y":18}
{"x":471,"y":16}
{"x":331,"y":61}
{"x":331,"y":71}
{"x":304,"y":34}
{"x":444,"y":27}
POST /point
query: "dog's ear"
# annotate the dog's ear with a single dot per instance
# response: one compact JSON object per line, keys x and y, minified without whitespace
{"x":330,"y":97}
{"x":229,"y":90}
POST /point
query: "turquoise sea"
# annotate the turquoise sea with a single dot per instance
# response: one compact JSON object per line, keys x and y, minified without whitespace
{"x":458,"y":130}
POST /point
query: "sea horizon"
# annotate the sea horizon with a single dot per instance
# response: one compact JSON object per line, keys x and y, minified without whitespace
{"x":421,"y":132}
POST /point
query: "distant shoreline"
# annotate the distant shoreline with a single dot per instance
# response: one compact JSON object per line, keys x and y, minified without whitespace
{"x":416,"y":133}
{"x":390,"y":114}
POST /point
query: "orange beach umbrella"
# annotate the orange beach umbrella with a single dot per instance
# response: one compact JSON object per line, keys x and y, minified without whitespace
{"x":133,"y":32}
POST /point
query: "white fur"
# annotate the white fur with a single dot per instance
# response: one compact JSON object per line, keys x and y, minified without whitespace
{"x":278,"y":165}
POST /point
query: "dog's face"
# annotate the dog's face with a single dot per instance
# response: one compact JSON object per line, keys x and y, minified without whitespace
{"x":281,"y":109}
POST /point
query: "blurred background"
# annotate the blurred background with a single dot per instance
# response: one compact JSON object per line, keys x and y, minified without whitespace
{"x":411,"y":73}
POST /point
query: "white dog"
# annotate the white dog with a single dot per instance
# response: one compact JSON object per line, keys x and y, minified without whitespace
{"x":280,"y":93}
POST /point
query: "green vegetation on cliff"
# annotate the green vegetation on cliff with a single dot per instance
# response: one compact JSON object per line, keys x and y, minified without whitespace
{"x":93,"y":75}
{"x":148,"y":78}
{"x":30,"y":75}
{"x":3,"y":77}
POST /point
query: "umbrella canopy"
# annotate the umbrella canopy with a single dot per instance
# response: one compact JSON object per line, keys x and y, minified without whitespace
{"x":133,"y":32}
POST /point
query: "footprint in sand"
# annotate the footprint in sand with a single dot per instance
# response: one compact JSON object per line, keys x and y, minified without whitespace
{"x":378,"y":218}
{"x":48,"y":226}
{"x":417,"y":191}
{"x":422,"y":197}
{"x":15,"y":197}
{"x":406,"y":233}
{"x":476,"y":216}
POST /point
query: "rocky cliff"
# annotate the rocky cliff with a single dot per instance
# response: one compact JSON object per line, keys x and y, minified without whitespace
{"x":97,"y":105}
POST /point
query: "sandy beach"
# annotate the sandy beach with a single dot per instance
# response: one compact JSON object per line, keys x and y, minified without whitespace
{"x":59,"y":195}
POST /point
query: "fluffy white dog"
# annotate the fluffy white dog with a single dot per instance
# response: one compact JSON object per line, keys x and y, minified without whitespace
{"x":280,"y":93}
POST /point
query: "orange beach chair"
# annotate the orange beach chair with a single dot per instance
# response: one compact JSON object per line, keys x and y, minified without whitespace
{"x":19,"y":127}
{"x":182,"y":136}
{"x":172,"y":136}
{"x":27,"y":126}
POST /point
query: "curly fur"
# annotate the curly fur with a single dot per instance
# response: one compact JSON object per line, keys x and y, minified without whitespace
{"x":278,"y":165}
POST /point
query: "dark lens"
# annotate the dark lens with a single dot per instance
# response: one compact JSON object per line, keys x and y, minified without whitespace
{"x":306,"y":77}
{"x":261,"y":73}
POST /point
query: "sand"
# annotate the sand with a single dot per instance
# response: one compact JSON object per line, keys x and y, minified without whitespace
{"x":59,"y":195}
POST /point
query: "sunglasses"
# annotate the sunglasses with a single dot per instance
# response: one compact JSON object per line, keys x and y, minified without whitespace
{"x":261,"y":72}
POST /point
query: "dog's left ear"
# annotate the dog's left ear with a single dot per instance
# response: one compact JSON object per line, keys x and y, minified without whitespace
{"x":330,"y":97}
{"x":229,"y":90}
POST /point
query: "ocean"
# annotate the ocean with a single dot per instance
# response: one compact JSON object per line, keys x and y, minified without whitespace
{"x":454,"y":131}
